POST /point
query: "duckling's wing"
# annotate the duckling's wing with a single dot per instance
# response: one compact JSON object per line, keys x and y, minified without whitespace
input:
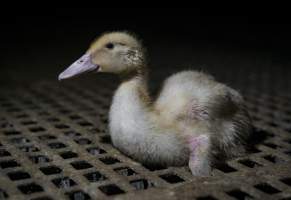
{"x":196,"y":95}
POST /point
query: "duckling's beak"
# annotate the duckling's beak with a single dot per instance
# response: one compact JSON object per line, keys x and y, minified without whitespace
{"x":80,"y":66}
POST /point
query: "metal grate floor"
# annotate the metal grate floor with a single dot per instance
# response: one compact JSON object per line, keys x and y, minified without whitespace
{"x":54,"y":144}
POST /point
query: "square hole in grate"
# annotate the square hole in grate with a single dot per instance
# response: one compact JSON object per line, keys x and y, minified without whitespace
{"x":271,"y":145}
{"x":4,"y":153}
{"x":95,"y":130}
{"x":224,"y":167}
{"x":84,"y":123}
{"x":20,"y":116}
{"x":141,"y":184}
{"x":30,"y":188}
{"x":29,"y":149}
{"x":3,"y":194}
{"x":64,"y":182}
{"x":206,"y":198}
{"x":288,"y":140}
{"x":14,"y":109}
{"x":50,"y":170}
{"x":42,"y":198}
{"x":95,"y":150}
{"x":238,"y":194}
{"x":78,"y":195}
{"x":95,"y":176}
{"x":249,"y":163}
{"x":30,"y":122}
{"x":35,"y":107}
{"x":111,"y":189}
{"x":287,"y":120}
{"x":288,"y":153}
{"x":125,"y":171}
{"x":20,"y":140}
{"x":27,"y":102}
{"x":39,"y":159}
{"x":260,"y":135}
{"x":287,"y":198}
{"x":56,"y":145}
{"x":72,"y":134}
{"x":272,"y":158}
{"x":6,"y":125}
{"x":81,"y":165}
{"x":172,"y":178}
{"x":75,"y":117}
{"x":105,"y":139}
{"x":9,"y":164}
{"x":287,"y":181}
{"x":53,"y":119}
{"x":106,"y":107}
{"x":83,"y":141}
{"x":273,"y":124}
{"x":12,"y":132}
{"x":64,"y":111}
{"x":252,"y":149}
{"x":18,"y":175}
{"x":62,"y":126}
{"x":155,"y":167}
{"x":68,"y":154}
{"x":37,"y":129}
{"x":109,"y":160}
{"x":7,"y":104}
{"x":266,"y":188}
{"x":47,"y":137}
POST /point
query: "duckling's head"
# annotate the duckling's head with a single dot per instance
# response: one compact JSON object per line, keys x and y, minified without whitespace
{"x":115,"y":52}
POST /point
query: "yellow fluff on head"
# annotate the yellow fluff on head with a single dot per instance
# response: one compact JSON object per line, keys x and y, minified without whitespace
{"x":123,"y":37}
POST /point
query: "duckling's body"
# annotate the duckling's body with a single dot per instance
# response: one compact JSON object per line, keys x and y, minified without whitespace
{"x":193,"y":120}
{"x":137,"y":129}
{"x":191,"y":104}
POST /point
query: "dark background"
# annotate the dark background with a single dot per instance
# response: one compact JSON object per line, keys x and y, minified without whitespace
{"x":37,"y":44}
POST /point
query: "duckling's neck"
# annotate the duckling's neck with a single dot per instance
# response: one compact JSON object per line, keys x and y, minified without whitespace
{"x":130,"y":109}
{"x":141,"y":73}
{"x":134,"y":85}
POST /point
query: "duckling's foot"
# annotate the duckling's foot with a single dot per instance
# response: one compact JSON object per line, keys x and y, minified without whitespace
{"x":199,"y":162}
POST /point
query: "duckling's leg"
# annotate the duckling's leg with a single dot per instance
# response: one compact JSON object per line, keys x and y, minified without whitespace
{"x":199,"y":162}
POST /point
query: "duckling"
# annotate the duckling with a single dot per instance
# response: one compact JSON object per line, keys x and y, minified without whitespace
{"x":194,"y":121}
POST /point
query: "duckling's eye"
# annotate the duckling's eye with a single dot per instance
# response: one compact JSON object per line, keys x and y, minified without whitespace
{"x":109,"y":46}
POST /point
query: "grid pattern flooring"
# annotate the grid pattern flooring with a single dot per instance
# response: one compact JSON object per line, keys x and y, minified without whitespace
{"x":54,"y":144}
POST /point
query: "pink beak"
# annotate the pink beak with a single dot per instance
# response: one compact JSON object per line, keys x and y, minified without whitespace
{"x":80,"y":66}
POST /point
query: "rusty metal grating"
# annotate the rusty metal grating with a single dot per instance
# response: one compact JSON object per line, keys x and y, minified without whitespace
{"x":54,"y":144}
